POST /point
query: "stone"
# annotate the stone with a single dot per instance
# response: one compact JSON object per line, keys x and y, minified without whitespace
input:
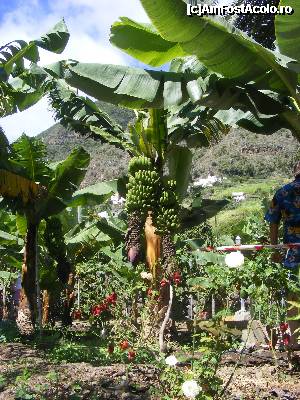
{"x":255,"y":335}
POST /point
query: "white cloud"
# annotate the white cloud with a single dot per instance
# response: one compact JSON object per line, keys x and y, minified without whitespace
{"x":88,"y":21}
{"x":32,"y":121}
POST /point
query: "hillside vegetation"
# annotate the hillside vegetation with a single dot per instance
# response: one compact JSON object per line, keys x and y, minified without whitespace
{"x":240,"y":154}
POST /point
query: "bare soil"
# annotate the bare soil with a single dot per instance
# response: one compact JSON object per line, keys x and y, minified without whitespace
{"x":255,"y":378}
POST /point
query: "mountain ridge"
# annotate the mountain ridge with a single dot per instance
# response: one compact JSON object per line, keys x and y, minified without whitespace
{"x":239,"y":154}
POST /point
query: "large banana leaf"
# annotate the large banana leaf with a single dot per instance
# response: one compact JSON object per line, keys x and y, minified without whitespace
{"x":128,"y":86}
{"x":66,"y":179}
{"x":94,"y":194}
{"x":14,"y":186}
{"x":89,"y":234}
{"x":86,"y":240}
{"x":13,"y":53}
{"x":180,"y":163}
{"x":258,"y":109}
{"x":6,"y":237}
{"x":201,"y":210}
{"x":19,"y":98}
{"x":287,"y":29}
{"x":140,"y":37}
{"x":219,"y":46}
{"x":55,"y":39}
{"x":29,"y":155}
{"x":24,"y":90}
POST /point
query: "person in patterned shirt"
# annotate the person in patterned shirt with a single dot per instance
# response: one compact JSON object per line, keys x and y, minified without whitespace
{"x":285,"y":207}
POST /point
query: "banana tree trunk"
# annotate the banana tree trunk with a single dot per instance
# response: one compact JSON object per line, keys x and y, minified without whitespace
{"x":46,"y":307}
{"x":69,"y":298}
{"x":28,"y":310}
{"x":51,"y":309}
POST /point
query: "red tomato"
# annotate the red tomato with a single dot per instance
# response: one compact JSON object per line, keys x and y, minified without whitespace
{"x":124,"y":345}
{"x":131,"y":355}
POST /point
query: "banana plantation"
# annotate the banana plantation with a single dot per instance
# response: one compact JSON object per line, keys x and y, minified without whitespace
{"x":152,"y":285}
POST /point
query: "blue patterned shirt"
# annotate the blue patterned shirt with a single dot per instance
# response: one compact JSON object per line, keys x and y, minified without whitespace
{"x":285,"y":206}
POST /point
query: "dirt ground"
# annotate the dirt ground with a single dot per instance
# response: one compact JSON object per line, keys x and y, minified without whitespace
{"x":255,"y":378}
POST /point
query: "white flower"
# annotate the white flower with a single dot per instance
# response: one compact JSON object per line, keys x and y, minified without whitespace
{"x":146,"y":275}
{"x":171,"y":361}
{"x":191,"y":389}
{"x":234,"y":259}
{"x":117,"y":199}
{"x":103,"y":214}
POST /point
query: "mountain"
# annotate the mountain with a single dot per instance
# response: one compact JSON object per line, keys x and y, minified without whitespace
{"x":240,"y":154}
{"x":245,"y":154}
{"x":107,"y":162}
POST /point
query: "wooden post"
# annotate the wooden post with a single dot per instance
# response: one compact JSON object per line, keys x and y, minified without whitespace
{"x":37,"y":283}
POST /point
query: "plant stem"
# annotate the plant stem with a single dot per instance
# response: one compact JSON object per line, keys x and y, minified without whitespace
{"x":164,"y":323}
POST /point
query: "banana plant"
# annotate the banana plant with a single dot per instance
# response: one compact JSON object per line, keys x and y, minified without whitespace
{"x":246,"y":84}
{"x":156,"y":135}
{"x":57,"y":191}
{"x":224,"y":50}
{"x":11,"y":241}
{"x":152,"y":200}
{"x":254,"y":87}
{"x":19,"y":87}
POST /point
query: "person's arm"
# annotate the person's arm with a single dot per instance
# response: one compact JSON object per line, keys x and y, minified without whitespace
{"x":273,"y":216}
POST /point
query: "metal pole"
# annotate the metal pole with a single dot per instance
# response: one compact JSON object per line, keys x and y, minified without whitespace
{"x":251,"y":247}
{"x":191,"y":307}
{"x":79,"y":214}
{"x":213,"y":306}
{"x":78,"y":293}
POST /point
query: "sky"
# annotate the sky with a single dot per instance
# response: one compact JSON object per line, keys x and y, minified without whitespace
{"x":88,"y":21}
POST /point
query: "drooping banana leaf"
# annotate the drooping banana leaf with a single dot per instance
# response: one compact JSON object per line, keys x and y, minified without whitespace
{"x":128,"y":86}
{"x":128,"y":32}
{"x":66,"y":179}
{"x":287,"y":29}
{"x":180,"y":163}
{"x":15,"y":186}
{"x":24,"y":90}
{"x":84,"y":116}
{"x":157,"y":89}
{"x":94,"y":194}
{"x":8,"y":237}
{"x":201,"y":211}
{"x":13,"y":53}
{"x":218,"y":45}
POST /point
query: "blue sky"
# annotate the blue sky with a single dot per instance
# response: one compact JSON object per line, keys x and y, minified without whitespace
{"x":88,"y":22}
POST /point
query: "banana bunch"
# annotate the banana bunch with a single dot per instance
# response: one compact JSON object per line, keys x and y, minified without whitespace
{"x":168,"y":196}
{"x":167,"y":219}
{"x":139,"y":164}
{"x":142,"y":186}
